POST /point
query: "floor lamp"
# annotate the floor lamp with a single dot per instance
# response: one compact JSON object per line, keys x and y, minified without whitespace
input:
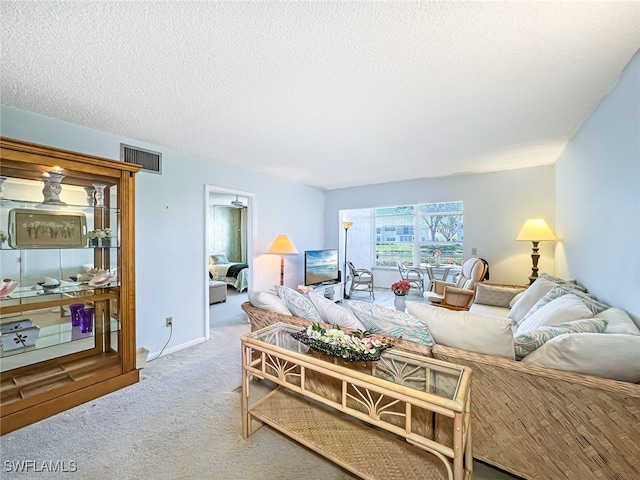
{"x":347,"y":226}
{"x":535,"y":230}
{"x":282,"y":246}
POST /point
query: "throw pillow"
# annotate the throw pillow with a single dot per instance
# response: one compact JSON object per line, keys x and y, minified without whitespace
{"x":267,"y":301}
{"x":516,"y":298}
{"x":529,"y":298}
{"x":298,"y":304}
{"x":590,"y":302}
{"x":334,"y":314}
{"x":528,"y":342}
{"x":218,"y":258}
{"x":619,"y":321}
{"x":614,"y":356}
{"x":466,"y":330}
{"x":495,"y":295}
{"x":563,"y":309}
{"x":562,"y":281}
{"x":394,"y":323}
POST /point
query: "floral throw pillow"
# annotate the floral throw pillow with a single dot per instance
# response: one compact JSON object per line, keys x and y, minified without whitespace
{"x":528,"y":342}
{"x":298,"y":304}
{"x":394,"y":323}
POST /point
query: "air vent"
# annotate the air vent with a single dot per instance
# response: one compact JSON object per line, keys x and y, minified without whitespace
{"x":148,"y":160}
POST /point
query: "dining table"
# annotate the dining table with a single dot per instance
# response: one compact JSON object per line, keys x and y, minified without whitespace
{"x":439,"y":272}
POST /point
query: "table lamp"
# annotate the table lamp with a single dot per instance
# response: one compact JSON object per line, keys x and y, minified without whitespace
{"x":282,"y":246}
{"x":535,"y":230}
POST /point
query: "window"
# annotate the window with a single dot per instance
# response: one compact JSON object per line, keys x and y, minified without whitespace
{"x":439,"y":227}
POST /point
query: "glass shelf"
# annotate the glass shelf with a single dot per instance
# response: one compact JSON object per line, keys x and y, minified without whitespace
{"x":5,"y":246}
{"x":39,"y":205}
{"x":65,"y":291}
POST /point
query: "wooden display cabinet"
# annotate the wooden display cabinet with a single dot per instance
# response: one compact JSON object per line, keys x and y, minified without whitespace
{"x":51,"y":201}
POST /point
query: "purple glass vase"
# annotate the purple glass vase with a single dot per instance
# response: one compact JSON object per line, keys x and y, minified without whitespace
{"x":75,"y":308}
{"x":86,"y":319}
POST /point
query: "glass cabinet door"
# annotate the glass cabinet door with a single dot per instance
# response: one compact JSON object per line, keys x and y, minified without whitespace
{"x":60,"y":251}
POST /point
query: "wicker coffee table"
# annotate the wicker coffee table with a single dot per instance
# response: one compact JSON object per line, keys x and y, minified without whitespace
{"x":404,"y":416}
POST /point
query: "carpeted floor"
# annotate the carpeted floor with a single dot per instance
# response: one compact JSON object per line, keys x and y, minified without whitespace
{"x":182,"y":421}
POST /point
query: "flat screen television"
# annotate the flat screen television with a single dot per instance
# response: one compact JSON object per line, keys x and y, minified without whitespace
{"x":321,"y":266}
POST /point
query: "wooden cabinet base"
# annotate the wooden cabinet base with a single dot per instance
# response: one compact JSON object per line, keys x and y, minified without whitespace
{"x":22,"y":412}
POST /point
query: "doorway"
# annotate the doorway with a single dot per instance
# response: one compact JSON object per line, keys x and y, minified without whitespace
{"x":229,"y":230}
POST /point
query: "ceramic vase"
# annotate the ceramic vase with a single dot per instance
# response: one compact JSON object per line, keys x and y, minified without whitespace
{"x":99,"y":194}
{"x":400,"y":303}
{"x":52,"y":187}
{"x":91,"y":193}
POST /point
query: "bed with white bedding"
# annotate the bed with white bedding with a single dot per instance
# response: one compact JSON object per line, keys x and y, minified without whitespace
{"x":234,"y":274}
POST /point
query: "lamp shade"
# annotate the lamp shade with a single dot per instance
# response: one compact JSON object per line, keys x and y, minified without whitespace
{"x":282,"y":245}
{"x":535,"y":230}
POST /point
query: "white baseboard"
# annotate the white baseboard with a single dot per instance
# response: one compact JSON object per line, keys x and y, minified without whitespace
{"x":176,"y":348}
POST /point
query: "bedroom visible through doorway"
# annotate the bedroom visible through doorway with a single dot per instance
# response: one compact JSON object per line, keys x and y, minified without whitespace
{"x":228,"y":239}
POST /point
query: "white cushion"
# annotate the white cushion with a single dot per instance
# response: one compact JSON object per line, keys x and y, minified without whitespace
{"x":614,"y":356}
{"x":298,"y":304}
{"x":267,"y":301}
{"x":394,"y":323}
{"x":218,"y":258}
{"x":489,"y":310}
{"x":529,"y":298}
{"x":466,"y":330}
{"x":334,"y":314}
{"x":563,"y":309}
{"x":619,"y":322}
{"x":515,"y":299}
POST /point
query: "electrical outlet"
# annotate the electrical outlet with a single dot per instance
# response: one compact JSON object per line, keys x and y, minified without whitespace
{"x":169,"y":321}
{"x":474,"y":251}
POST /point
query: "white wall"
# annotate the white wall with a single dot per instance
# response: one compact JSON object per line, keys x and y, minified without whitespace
{"x":598,"y":198}
{"x":496,"y":206}
{"x":170,"y":217}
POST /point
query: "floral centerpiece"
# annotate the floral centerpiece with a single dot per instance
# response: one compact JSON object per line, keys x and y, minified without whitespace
{"x":356,"y":346}
{"x":401,"y":288}
{"x":437,"y":256}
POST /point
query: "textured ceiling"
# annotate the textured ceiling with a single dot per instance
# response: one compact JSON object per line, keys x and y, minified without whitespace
{"x":331,"y":94}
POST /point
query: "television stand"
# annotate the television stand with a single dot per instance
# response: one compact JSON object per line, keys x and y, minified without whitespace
{"x":332,"y":291}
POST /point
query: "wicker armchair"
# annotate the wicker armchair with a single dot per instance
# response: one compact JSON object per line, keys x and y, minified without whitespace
{"x":412,"y":275}
{"x":361,"y":280}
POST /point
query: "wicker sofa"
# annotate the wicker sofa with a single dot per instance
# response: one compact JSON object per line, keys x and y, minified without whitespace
{"x":537,"y":422}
